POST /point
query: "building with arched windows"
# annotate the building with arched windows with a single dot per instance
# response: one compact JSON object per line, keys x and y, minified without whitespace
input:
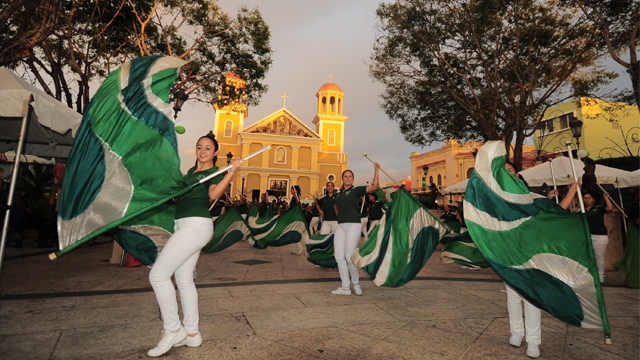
{"x":299,"y":155}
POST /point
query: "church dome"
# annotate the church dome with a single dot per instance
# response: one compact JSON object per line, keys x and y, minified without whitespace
{"x":330,"y":86}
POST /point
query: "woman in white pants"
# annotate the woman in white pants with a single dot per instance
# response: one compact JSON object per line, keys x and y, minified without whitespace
{"x":193,"y":229}
{"x":599,"y":234}
{"x":345,"y":239}
{"x":296,"y":249}
{"x":327,"y":211}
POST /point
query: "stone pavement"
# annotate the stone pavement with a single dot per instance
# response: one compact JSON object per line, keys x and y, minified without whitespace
{"x":81,"y":307}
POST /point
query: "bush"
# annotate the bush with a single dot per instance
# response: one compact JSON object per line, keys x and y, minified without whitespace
{"x":628,"y":163}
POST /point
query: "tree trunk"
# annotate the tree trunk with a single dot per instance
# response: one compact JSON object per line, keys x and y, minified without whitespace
{"x":634,"y":71}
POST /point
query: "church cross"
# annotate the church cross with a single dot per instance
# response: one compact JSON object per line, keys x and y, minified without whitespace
{"x":285,"y":97}
{"x":330,"y":76}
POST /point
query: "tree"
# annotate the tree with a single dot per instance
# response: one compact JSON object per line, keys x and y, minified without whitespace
{"x":478,"y":69}
{"x":96,"y":37}
{"x":23,"y":23}
{"x":618,"y":22}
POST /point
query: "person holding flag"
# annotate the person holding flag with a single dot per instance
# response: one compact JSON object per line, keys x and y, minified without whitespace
{"x":193,"y":229}
{"x":296,"y":249}
{"x":349,"y":227}
{"x":599,"y":233}
{"x":327,"y":211}
{"x":375,"y":211}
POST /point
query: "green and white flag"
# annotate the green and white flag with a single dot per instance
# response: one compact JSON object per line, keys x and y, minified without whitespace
{"x":278,"y":230}
{"x":321,"y":251}
{"x":399,"y":246}
{"x":539,"y":249}
{"x":228,"y":229}
{"x":461,"y":250}
{"x":124,"y":163}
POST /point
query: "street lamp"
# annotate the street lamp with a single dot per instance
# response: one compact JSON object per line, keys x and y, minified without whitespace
{"x":179,"y":97}
{"x":576,"y":130}
{"x":229,"y":157}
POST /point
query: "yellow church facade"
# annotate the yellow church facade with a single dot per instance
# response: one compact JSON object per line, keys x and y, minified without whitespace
{"x":299,"y":154}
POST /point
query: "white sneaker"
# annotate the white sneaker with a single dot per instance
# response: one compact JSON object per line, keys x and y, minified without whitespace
{"x":169,"y":338}
{"x":533,"y":350}
{"x":516,"y":339}
{"x":191,"y":341}
{"x":341,"y":291}
{"x":357,"y":289}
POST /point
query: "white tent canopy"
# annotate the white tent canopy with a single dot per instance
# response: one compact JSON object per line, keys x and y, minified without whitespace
{"x":631,"y":179}
{"x":541,"y":174}
{"x":52,"y":124}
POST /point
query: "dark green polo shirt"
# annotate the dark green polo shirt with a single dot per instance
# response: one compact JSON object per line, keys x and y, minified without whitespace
{"x":326,"y":204}
{"x":595,"y":219}
{"x":195,"y":203}
{"x":375,"y":210}
{"x":347,"y":202}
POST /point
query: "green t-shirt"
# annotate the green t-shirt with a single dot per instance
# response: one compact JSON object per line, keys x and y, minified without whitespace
{"x":326,"y":204}
{"x":347,"y":202}
{"x":195,"y":203}
{"x":375,"y":210}
{"x":595,"y":219}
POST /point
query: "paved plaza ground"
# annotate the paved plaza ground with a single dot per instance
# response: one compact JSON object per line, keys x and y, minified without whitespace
{"x":81,"y":307}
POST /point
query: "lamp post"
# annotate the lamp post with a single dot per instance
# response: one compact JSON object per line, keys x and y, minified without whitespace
{"x":229,"y":157}
{"x":576,"y":131}
{"x":425,"y":168}
{"x":179,"y":97}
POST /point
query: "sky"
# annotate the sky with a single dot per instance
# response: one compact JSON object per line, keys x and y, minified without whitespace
{"x":311,"y":40}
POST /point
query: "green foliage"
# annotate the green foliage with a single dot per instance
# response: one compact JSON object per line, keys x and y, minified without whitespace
{"x":628,"y":163}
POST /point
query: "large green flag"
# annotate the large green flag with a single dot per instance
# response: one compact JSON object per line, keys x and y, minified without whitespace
{"x":278,"y":230}
{"x":321,"y":251}
{"x":228,"y":229}
{"x":399,"y":246}
{"x":124,"y":162}
{"x":629,"y":264}
{"x":461,"y":250}
{"x":539,"y":249}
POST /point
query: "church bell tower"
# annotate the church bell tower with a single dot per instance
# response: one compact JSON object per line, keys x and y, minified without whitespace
{"x":329,"y":120}
{"x":229,"y":119}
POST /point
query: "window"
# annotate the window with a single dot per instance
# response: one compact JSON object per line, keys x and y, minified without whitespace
{"x":228,"y":127}
{"x":430,"y":179}
{"x":332,"y":137}
{"x":333,"y":104}
{"x":339,"y":106}
{"x":439,"y":180}
{"x":281,"y":155}
{"x":324,"y":104}
{"x":469,"y":172}
{"x":556,"y":124}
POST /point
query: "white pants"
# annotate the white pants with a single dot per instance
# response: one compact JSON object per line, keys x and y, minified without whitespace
{"x":314,"y":224}
{"x":179,"y":256}
{"x":600,"y":243}
{"x":371,"y":226}
{"x":345,"y":242}
{"x":531,"y":317}
{"x":329,"y":227}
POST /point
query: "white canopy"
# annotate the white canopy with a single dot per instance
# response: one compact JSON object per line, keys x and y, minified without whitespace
{"x":52,"y":125}
{"x":541,"y":174}
{"x":631,"y":179}
{"x":458,"y":188}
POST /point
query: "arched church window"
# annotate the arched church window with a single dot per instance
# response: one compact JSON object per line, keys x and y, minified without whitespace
{"x":430,"y":179}
{"x":228,"y":127}
{"x":333,"y":104}
{"x":324,"y":104}
{"x":332,"y":137}
{"x":439,"y":179}
{"x":469,"y":172}
{"x":281,"y":155}
{"x":339,"y":106}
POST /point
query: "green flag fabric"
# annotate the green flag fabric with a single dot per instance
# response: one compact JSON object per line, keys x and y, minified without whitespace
{"x":629,"y":263}
{"x":539,"y":249}
{"x":278,"y":230}
{"x":228,"y":229}
{"x":321,"y":251}
{"x":461,"y":250}
{"x":399,"y":246}
{"x":124,"y":161}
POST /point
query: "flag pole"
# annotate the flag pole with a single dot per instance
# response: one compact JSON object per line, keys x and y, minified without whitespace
{"x":575,"y":177}
{"x":624,"y":220}
{"x":553,"y":177}
{"x":365,"y":155}
{"x":614,"y":203}
{"x":607,"y":331}
{"x":57,"y":254}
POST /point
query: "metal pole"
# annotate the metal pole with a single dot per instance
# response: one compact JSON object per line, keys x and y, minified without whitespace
{"x":614,"y":203}
{"x":575,"y":177}
{"x":14,"y":178}
{"x":553,"y":177}
{"x":624,"y":220}
{"x":365,"y":155}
